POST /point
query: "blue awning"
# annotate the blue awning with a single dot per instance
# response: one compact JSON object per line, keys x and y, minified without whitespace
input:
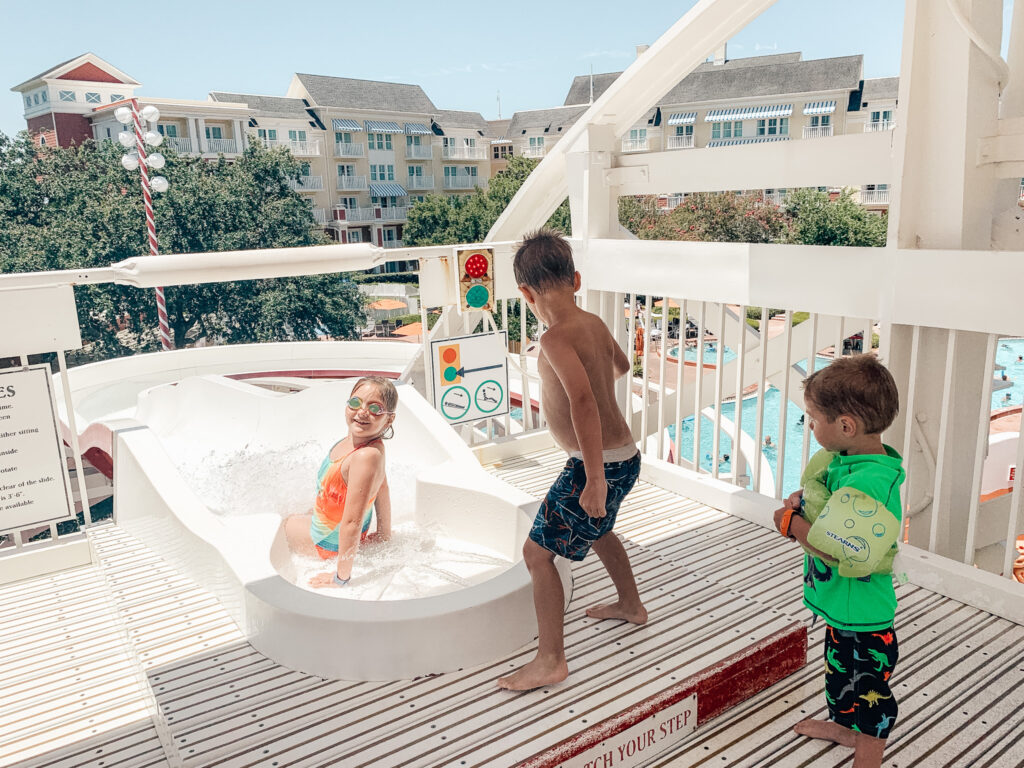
{"x":417,"y":129}
{"x":344,"y":124}
{"x":383,"y":126}
{"x":820,"y":108}
{"x":387,"y":189}
{"x":749,"y":113}
{"x":748,"y":140}
{"x":682,"y":118}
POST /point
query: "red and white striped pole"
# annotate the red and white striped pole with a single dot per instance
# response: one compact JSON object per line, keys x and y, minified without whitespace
{"x":147,"y":196}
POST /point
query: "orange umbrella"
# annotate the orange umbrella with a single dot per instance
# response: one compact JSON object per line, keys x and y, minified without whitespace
{"x":671,"y":303}
{"x":412,"y":329}
{"x":388,"y":304}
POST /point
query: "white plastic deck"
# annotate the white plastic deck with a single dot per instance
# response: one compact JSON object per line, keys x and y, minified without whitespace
{"x":101,"y":662}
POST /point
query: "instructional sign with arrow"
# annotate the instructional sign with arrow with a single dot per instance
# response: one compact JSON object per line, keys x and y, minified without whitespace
{"x":470,"y":376}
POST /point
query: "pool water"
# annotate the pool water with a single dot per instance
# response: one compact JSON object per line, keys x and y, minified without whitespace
{"x":1007,"y":352}
{"x":710,"y":354}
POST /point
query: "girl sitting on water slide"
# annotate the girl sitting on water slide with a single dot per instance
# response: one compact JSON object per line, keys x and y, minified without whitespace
{"x":351,"y":479}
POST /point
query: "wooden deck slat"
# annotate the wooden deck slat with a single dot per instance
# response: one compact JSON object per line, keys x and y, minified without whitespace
{"x":699,"y":571}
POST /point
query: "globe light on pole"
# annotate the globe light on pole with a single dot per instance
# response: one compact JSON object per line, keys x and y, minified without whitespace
{"x":155,"y":161}
{"x":127,"y":139}
{"x":159,"y":184}
{"x":153,"y":139}
{"x":123,"y":115}
{"x":150,"y":114}
{"x":130,"y":162}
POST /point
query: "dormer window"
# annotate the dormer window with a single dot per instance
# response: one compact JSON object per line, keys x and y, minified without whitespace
{"x":67,"y":95}
{"x":28,"y":102}
{"x":116,"y":97}
{"x":92,"y":98}
{"x":44,"y":97}
{"x":35,"y":98}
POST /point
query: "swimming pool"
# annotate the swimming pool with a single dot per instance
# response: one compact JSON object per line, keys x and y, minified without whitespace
{"x":1007,"y":353}
{"x":710,"y":354}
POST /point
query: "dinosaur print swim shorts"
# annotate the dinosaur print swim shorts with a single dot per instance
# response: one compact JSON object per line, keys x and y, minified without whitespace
{"x":858,"y":667}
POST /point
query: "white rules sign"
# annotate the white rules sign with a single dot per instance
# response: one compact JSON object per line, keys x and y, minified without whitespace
{"x":34,"y":484}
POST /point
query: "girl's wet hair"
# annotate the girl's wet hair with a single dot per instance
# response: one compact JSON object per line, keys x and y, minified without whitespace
{"x":388,"y":395}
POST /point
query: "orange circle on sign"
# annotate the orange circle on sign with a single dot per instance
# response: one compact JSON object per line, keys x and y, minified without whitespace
{"x":449,"y":355}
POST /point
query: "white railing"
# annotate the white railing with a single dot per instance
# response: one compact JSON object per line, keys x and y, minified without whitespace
{"x":634,"y":145}
{"x":354,"y":214}
{"x":460,"y":182}
{"x":874,"y":196}
{"x":307,"y":183}
{"x":180,"y":144}
{"x":221,"y":146}
{"x":680,"y":142}
{"x":298,"y":148}
{"x":419,"y":151}
{"x":351,"y":182}
{"x":673,"y":201}
{"x":396,"y":213}
{"x":320,"y":215}
{"x":393,"y":244}
{"x":778,"y":198}
{"x":817,"y":131}
{"x":348,"y":149}
{"x":463,"y":153}
{"x":879,"y":125}
{"x":533,"y":151}
{"x":419,"y":182}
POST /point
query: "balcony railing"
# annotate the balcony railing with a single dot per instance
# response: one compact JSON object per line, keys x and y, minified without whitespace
{"x":419,"y":151}
{"x":463,"y":153}
{"x":320,"y":215}
{"x":346,"y":149}
{"x":297,"y":148}
{"x":351,"y":182}
{"x":634,"y":145}
{"x":874,"y":196}
{"x":879,"y":125}
{"x":460,"y":182}
{"x":672,"y":202}
{"x":222,"y":146}
{"x":396,"y":213}
{"x":817,"y":131}
{"x":680,"y":142}
{"x":343,"y":214}
{"x":533,"y":151}
{"x":307,"y":183}
{"x":419,"y":182}
{"x":393,"y":244}
{"x":777,"y":198}
{"x":180,"y":144}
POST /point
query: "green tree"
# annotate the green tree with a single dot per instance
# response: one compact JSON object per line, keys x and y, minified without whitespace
{"x":451,"y":219}
{"x":77,"y":208}
{"x":816,"y":219}
{"x":706,"y":216}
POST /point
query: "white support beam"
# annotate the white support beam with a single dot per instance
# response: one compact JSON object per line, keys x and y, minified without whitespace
{"x":840,"y":161}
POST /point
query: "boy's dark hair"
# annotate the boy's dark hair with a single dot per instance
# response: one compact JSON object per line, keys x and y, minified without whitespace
{"x":859,"y":386}
{"x":544,"y":260}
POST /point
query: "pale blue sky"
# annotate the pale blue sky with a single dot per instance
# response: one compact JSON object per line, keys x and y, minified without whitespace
{"x":461,"y":53}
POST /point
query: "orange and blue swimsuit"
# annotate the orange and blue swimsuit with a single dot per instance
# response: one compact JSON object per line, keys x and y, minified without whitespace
{"x":332,"y":491}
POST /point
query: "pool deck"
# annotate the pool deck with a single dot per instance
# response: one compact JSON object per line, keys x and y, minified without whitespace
{"x":127,"y":663}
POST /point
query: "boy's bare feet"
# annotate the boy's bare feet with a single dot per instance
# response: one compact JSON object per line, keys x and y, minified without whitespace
{"x":618,"y":611}
{"x":827,"y":730}
{"x":535,"y":674}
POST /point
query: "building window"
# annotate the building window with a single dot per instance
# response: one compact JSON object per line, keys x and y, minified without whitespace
{"x":342,"y":138}
{"x":726,"y":130}
{"x":116,"y":97}
{"x":773,"y":126}
{"x":296,"y":136}
{"x":92,"y":98}
{"x":44,"y":96}
{"x":42,"y":140}
{"x":67,"y":95}
{"x":412,"y":141}
{"x":638,"y":134}
{"x":469,"y":142}
{"x":355,"y":236}
{"x":348,"y":170}
{"x":687,"y":130}
{"x":380,"y":140}
{"x":214,"y":132}
{"x":415,"y":170}
{"x":35,"y":98}
{"x":170,"y":130}
{"x":881,"y":116}
{"x":450,"y":170}
{"x":349,"y":203}
{"x":270,"y":134}
{"x":28,"y":102}
{"x":820,"y":120}
{"x":382,"y":173}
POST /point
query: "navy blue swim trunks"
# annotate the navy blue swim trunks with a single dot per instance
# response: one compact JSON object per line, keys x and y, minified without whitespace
{"x":561,"y":525}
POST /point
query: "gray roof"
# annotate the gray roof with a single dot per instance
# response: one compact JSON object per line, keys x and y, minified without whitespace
{"x":454,"y":118}
{"x":366,"y":94}
{"x":759,"y":76}
{"x":880,"y":88}
{"x":498,"y":129}
{"x":537,"y":120}
{"x":265,"y":104}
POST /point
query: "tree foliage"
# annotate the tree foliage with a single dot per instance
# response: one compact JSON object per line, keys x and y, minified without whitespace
{"x":808,"y":217}
{"x":78,"y":208}
{"x":447,"y":220}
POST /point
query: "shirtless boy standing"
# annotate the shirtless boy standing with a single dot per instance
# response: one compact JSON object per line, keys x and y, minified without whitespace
{"x":578,"y":364}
